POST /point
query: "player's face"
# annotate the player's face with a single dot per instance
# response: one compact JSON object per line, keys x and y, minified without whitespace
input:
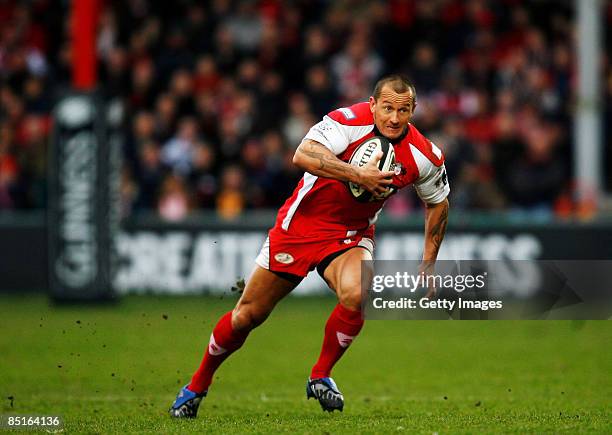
{"x":392,"y":112}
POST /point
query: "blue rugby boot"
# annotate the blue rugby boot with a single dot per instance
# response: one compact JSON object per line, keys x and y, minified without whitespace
{"x":186,"y":403}
{"x":326,"y":392}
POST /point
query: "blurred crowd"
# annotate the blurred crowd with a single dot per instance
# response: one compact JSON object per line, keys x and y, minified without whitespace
{"x":219,"y":94}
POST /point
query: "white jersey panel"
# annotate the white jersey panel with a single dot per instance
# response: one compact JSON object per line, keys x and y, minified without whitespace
{"x":309,"y":181}
{"x":432,"y":184}
{"x":336,"y":136}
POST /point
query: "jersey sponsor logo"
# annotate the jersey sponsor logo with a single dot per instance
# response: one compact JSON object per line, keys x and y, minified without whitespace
{"x":344,"y":340}
{"x":348,"y":113}
{"x":324,"y":126}
{"x":283,"y":257}
{"x":214,"y":348}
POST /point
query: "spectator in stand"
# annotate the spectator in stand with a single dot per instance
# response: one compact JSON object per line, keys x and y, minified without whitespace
{"x":245,"y":26}
{"x":203,"y":176}
{"x":206,"y":78}
{"x":319,"y":90}
{"x":356,"y":68}
{"x":535,"y":174}
{"x":177,"y":153}
{"x":424,"y":68}
{"x":181,"y":89}
{"x":10,"y":191}
{"x":149,"y":174}
{"x":165,"y":116}
{"x":143,"y":86}
{"x":299,"y":121}
{"x":272,"y":102}
{"x":254,"y":167}
{"x":231,"y":201}
{"x":316,"y":48}
{"x":175,"y":201}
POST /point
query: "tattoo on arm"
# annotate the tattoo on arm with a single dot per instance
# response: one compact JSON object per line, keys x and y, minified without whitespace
{"x":438,"y":230}
{"x":327,"y":163}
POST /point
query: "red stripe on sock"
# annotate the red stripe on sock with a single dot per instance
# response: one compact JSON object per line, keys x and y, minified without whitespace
{"x":341,"y":328}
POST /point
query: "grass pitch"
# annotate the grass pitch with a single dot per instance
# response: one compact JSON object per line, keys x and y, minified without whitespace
{"x":116,"y":369}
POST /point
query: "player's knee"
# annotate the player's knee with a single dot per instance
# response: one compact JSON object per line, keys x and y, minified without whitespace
{"x":351,"y":298}
{"x":248,"y":316}
{"x":258,"y":316}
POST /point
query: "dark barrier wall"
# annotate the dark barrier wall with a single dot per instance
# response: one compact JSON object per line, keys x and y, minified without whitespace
{"x":208,"y":254}
{"x":23,"y":255}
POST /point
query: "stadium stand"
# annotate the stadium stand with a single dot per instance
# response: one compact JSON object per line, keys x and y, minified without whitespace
{"x":221,"y":94}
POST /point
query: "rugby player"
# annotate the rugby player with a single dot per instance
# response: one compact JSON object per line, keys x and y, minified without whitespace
{"x":323,"y":226}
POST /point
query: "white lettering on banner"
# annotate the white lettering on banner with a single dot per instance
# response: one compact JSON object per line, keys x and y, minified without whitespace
{"x":182,"y":262}
{"x":74,"y":112}
{"x":220,"y":259}
{"x":179,"y":262}
{"x":469,"y":246}
{"x":204,"y":268}
{"x":228,"y":254}
{"x":464,"y":250}
{"x":247,"y":261}
{"x":173,"y":262}
{"x":409,"y":246}
{"x":76,"y":264}
{"x":140,"y":271}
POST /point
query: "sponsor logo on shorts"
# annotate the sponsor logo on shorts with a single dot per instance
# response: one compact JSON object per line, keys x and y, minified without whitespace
{"x":283,"y":257}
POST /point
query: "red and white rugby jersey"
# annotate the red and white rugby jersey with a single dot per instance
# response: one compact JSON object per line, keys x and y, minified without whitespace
{"x":324,"y":207}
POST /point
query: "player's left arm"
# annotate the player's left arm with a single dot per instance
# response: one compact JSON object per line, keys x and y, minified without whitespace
{"x":433,"y":189}
{"x":436,"y":218}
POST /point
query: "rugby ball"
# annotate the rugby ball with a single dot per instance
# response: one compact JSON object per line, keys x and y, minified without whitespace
{"x":362,"y":155}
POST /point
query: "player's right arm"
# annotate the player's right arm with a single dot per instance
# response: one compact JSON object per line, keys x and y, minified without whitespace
{"x":317,"y":159}
{"x":433,"y":188}
{"x":317,"y":154}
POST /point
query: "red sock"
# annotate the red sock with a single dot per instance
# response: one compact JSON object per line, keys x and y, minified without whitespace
{"x":223,"y":342}
{"x":342,"y":327}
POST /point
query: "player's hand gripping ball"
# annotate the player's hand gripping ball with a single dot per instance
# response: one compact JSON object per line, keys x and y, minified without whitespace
{"x":362,"y":155}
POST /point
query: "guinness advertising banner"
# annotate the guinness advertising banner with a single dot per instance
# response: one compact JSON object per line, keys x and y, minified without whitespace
{"x":82,"y":211}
